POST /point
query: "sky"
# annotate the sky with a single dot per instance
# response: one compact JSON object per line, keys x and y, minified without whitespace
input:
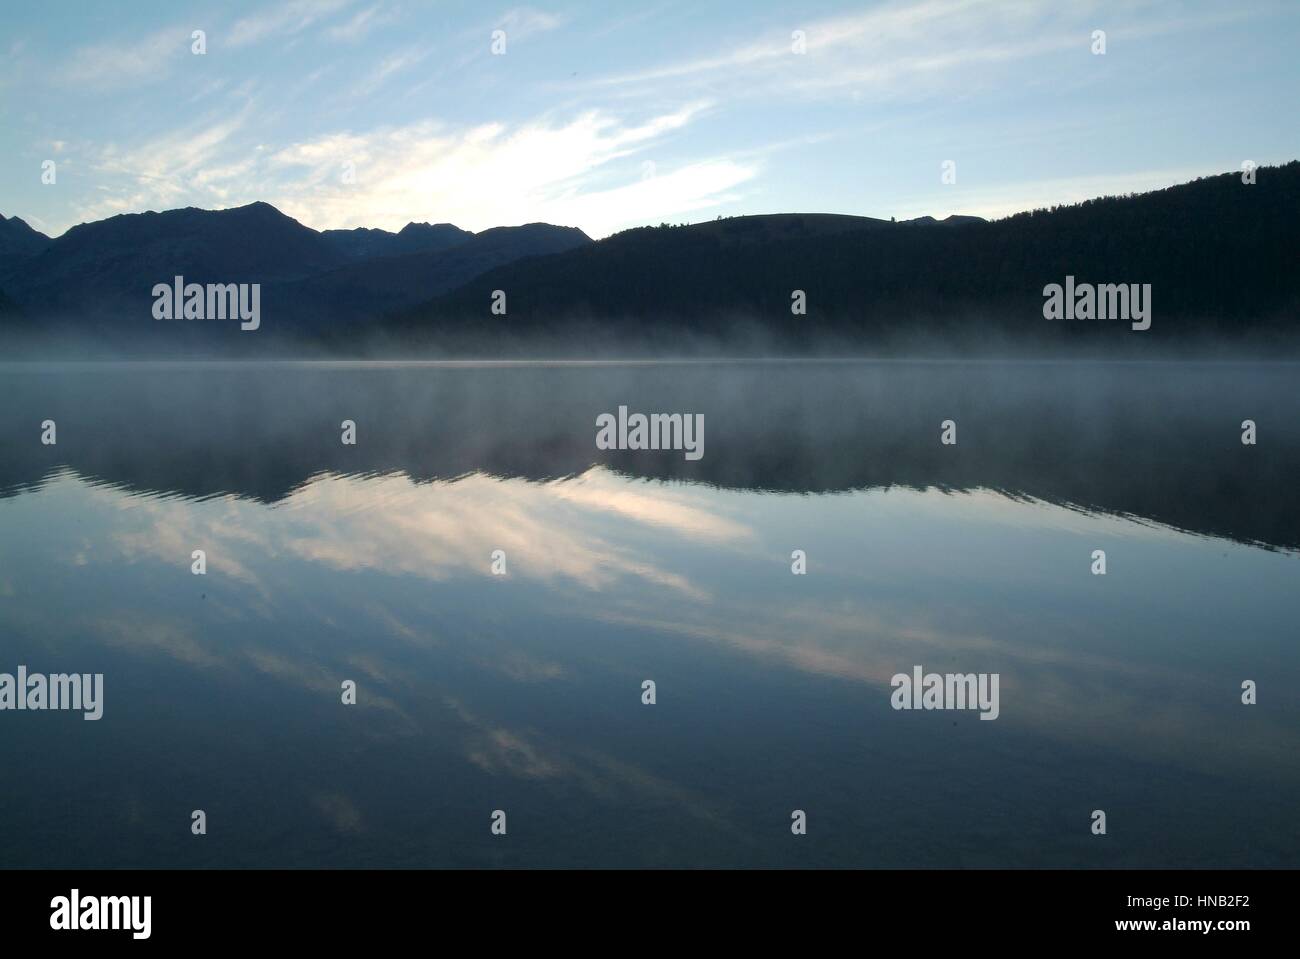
{"x":613,"y":114}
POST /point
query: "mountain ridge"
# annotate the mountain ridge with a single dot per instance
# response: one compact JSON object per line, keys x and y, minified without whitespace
{"x":97,"y":271}
{"x":1221,"y":256}
{"x":19,"y":241}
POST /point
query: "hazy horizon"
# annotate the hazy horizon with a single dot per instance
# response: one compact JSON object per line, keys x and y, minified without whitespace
{"x":696,"y":222}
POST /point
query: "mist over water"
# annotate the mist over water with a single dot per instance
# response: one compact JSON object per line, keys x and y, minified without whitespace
{"x":522,"y":692}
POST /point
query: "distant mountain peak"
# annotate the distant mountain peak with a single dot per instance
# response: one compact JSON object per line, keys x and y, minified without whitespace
{"x":414,"y":226}
{"x":366,"y":243}
{"x":18,"y":223}
{"x":257,"y":206}
{"x":18,"y":240}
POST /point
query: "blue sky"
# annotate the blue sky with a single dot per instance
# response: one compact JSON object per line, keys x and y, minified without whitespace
{"x":612,"y":114}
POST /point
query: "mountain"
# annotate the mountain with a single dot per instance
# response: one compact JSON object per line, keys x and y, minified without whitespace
{"x":16,"y":237}
{"x":345,"y":297}
{"x":772,"y":227}
{"x":1221,"y":257}
{"x":953,"y":220}
{"x":18,"y":241}
{"x":98,"y":278}
{"x":113,"y":264}
{"x":365,"y":243}
{"x":767,"y":227}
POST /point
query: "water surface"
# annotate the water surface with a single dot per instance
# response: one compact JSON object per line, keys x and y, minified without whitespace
{"x":523,"y":692}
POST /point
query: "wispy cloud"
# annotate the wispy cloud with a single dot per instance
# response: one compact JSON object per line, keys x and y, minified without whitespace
{"x":285,"y":19}
{"x":580,"y":171}
{"x":361,"y":23}
{"x":203,"y":163}
{"x":497,"y":173}
{"x":896,"y":49}
{"x":390,"y":67}
{"x":831,"y":45}
{"x":523,"y":22}
{"x":110,"y":66}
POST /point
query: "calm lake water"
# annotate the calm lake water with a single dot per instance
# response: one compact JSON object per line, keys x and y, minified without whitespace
{"x":523,"y":692}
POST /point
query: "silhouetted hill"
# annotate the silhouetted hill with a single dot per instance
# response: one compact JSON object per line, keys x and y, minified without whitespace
{"x":97,"y":279}
{"x":365,"y":243}
{"x":350,"y":295}
{"x":768,"y":227}
{"x":18,"y":241}
{"x":1221,"y":256}
{"x":953,"y":220}
{"x":17,"y":237}
{"x":114,"y":263}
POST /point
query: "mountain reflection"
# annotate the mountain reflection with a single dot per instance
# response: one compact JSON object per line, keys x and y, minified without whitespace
{"x":1157,"y":441}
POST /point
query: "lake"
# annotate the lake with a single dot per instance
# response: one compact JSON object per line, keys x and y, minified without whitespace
{"x":499,"y":589}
